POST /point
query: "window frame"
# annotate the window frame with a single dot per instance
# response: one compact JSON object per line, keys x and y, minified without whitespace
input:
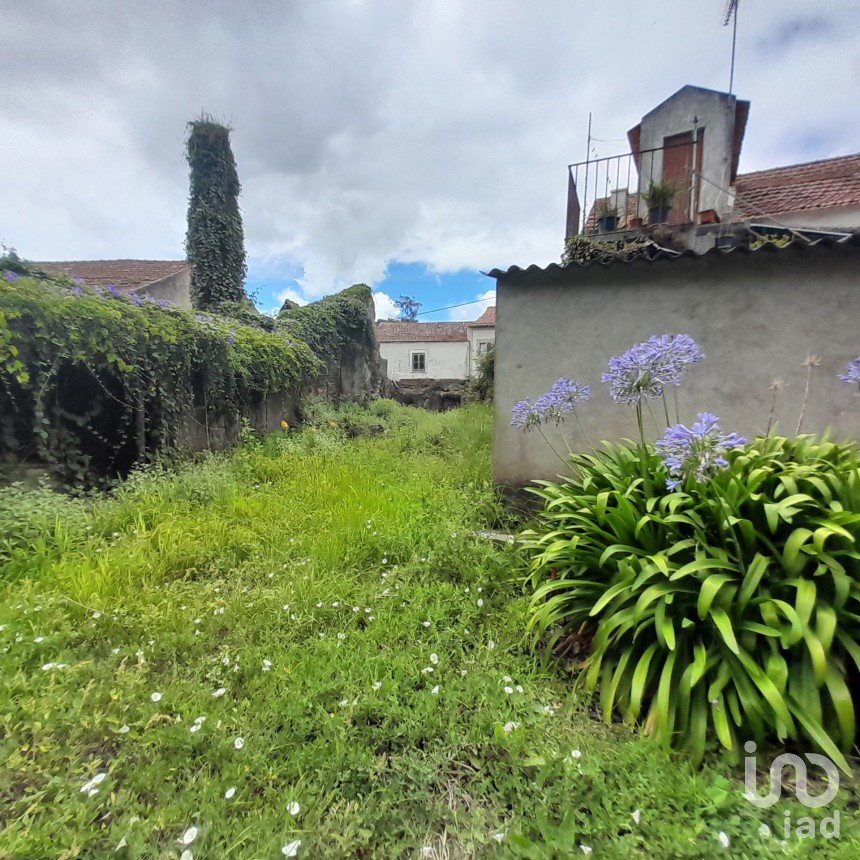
{"x":418,"y":354}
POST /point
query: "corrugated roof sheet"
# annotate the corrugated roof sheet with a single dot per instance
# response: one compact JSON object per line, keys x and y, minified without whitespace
{"x":421,"y":332}
{"x":656,"y":254}
{"x":124,"y":274}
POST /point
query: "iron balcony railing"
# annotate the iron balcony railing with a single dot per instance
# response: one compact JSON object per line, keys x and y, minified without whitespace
{"x":620,"y":183}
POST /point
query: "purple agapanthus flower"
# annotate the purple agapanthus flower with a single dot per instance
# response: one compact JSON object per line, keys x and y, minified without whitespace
{"x":78,"y":290}
{"x":561,"y":400}
{"x":525,"y":415}
{"x":852,"y":373}
{"x":12,"y":276}
{"x":137,"y":300}
{"x":647,"y":368}
{"x":114,"y":290}
{"x":231,"y":339}
{"x":696,"y":451}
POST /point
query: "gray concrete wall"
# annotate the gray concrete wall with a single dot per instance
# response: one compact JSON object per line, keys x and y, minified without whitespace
{"x":755,"y":315}
{"x":716,"y":114}
{"x":175,"y":288}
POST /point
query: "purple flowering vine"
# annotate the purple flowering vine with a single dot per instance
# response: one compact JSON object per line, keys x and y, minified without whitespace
{"x":697,"y":451}
{"x":852,"y":373}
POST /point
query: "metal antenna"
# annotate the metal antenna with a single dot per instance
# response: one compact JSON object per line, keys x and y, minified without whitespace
{"x":730,"y":13}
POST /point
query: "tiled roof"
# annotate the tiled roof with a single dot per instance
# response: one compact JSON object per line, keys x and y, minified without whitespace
{"x":623,"y":217}
{"x":488,"y":317}
{"x":421,"y":332}
{"x":653,"y":253}
{"x":124,"y":274}
{"x":833,"y":182}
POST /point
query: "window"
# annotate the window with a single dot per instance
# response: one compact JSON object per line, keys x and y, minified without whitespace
{"x":483,"y":346}
{"x":419,"y":362}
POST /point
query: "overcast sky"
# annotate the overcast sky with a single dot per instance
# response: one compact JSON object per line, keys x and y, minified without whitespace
{"x":405,"y":144}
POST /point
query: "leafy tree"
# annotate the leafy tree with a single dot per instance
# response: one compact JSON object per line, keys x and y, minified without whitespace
{"x":215,"y":241}
{"x":408,"y":308}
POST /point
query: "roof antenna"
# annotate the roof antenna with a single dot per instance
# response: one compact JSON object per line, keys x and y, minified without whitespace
{"x":730,"y":13}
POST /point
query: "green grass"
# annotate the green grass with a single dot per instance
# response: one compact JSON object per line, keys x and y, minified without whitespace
{"x":349,"y":565}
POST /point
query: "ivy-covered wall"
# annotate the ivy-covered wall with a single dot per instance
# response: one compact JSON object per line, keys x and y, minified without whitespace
{"x":340,"y":330}
{"x":92,"y":381}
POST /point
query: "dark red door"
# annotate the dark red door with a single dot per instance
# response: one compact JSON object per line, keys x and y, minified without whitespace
{"x":678,"y":169}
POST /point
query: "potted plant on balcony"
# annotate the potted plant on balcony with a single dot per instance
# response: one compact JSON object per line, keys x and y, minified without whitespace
{"x":658,"y":198}
{"x":607,"y":216}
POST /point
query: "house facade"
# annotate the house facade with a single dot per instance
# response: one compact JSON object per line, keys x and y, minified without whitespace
{"x":435,"y":351}
{"x":165,"y":280}
{"x":691,"y":144}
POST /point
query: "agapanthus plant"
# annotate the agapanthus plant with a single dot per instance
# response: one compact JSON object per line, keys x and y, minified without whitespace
{"x":852,"y":373}
{"x":697,"y":451}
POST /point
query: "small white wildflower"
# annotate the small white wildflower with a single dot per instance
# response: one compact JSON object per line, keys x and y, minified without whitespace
{"x":764,"y":831}
{"x":114,"y":650}
{"x":434,"y":659}
{"x":377,"y":685}
{"x":427,"y":851}
{"x":198,"y":620}
{"x":267,"y":665}
{"x":194,"y":729}
{"x":509,"y":690}
{"x":480,"y":601}
{"x":519,"y":688}
{"x":228,"y":795}
{"x":216,"y":694}
{"x":123,"y":730}
{"x":355,"y":609}
{"x":423,"y":558}
{"x":636,"y":816}
{"x":155,"y":697}
{"x":189,"y":836}
{"x":508,"y":679}
{"x":319,"y":604}
{"x":435,"y":691}
{"x":121,"y":844}
{"x":576,"y":754}
{"x":385,"y":561}
{"x":586,"y":849}
{"x":46,"y":667}
{"x":292,"y":616}
{"x":336,"y":604}
{"x":723,"y":838}
{"x":499,"y":837}
{"x":425,"y":623}
{"x":186,"y":855}
{"x":491,"y":645}
{"x":225,"y":660}
{"x":367,"y":610}
{"x":291,"y":849}
{"x":271,"y":575}
{"x":286,"y":607}
{"x":463,"y":672}
{"x":341,"y":636}
{"x":510,"y":726}
{"x":293,"y":808}
{"x":427,"y":670}
{"x":39,"y":639}
{"x":97,"y":615}
{"x":90,"y":787}
{"x":371,"y":618}
{"x":239,"y":743}
{"x":343,"y":703}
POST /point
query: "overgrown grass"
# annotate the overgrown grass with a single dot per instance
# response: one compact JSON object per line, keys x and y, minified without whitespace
{"x":369,"y":649}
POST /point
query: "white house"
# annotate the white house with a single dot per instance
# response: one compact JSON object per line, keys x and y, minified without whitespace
{"x":434,"y":350}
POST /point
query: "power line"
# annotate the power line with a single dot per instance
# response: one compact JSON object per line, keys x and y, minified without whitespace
{"x":451,"y":307}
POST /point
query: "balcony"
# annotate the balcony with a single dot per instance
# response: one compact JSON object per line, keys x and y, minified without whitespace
{"x":608,"y":195}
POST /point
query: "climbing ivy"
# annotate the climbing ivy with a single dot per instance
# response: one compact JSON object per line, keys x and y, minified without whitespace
{"x":214,"y":242}
{"x":92,"y":379}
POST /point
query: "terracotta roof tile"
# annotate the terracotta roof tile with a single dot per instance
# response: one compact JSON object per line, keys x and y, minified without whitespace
{"x":823,"y":184}
{"x":488,"y":317}
{"x":124,"y":274}
{"x":421,"y":332}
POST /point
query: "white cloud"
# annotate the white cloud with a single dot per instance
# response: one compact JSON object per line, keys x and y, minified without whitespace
{"x":448,"y":146}
{"x":385,"y":307}
{"x":475,"y":309}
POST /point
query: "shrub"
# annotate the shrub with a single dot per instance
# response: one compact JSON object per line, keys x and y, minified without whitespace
{"x":728,"y":607}
{"x":479,"y":388}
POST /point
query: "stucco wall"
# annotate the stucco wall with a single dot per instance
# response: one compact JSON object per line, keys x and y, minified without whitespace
{"x":477,"y":336}
{"x":755,"y":315}
{"x":443,"y":360}
{"x":716,"y":119}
